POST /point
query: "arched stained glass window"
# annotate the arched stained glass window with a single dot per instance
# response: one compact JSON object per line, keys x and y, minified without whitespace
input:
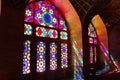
{"x":93,"y":43}
{"x":46,"y":38}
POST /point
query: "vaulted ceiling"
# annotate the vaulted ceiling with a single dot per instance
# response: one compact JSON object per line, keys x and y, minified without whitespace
{"x":109,"y":10}
{"x":111,"y":14}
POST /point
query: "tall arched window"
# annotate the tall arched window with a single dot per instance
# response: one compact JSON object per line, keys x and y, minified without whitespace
{"x":45,"y":38}
{"x":95,"y":51}
{"x":103,"y":57}
{"x":93,"y":43}
{"x":99,"y":61}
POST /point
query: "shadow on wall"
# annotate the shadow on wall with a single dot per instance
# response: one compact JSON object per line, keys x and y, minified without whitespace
{"x":0,"y":6}
{"x":11,"y":29}
{"x":114,"y":40}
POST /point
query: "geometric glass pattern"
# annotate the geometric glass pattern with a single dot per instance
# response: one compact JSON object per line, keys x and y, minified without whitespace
{"x":29,"y":13}
{"x":92,"y":34}
{"x":45,"y":32}
{"x":64,"y":56}
{"x":63,"y":35}
{"x":44,"y":22}
{"x":91,"y":31}
{"x":53,"y":56}
{"x":93,"y":43}
{"x":90,"y":40}
{"x":91,"y":54}
{"x":27,"y":29}
{"x":41,"y":55}
{"x":26,"y":57}
{"x":62,"y":23}
{"x":46,"y":14}
{"x":95,"y":40}
{"x":95,"y":54}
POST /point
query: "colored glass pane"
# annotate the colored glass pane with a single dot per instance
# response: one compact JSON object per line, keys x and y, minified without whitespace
{"x":91,"y":31}
{"x":41,"y":54}
{"x":26,"y":57}
{"x":27,"y":29}
{"x":64,"y":56}
{"x":53,"y":56}
{"x":63,"y":35}
{"x":91,"y":54}
{"x":95,"y":40}
{"x":46,"y":14}
{"x":95,"y":53}
{"x":29,"y":13}
{"x":91,"y":40}
{"x":45,"y":32}
{"x":62,"y":23}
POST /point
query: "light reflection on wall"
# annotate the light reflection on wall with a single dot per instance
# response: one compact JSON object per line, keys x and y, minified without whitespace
{"x":103,"y":43}
{"x":78,"y":62}
{"x":75,"y":28}
{"x":107,"y":66}
{"x":116,"y":64}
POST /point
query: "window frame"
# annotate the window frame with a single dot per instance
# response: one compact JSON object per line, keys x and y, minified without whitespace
{"x":34,"y":39}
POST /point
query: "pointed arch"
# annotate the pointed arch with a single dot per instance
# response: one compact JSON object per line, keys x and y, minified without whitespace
{"x":48,"y":47}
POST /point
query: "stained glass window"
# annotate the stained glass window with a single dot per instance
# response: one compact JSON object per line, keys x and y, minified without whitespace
{"x":27,"y":29}
{"x":53,"y":56}
{"x":26,"y":57}
{"x":95,"y":54}
{"x":93,"y":43}
{"x":29,"y":13}
{"x":92,"y":34}
{"x":44,"y":24}
{"x":45,"y":32}
{"x":91,"y":31}
{"x":95,"y":40}
{"x":63,"y":35}
{"x":90,"y":40}
{"x":62,"y":25}
{"x":41,"y":56}
{"x":64,"y":55}
{"x":46,"y":14}
{"x":91,"y":54}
